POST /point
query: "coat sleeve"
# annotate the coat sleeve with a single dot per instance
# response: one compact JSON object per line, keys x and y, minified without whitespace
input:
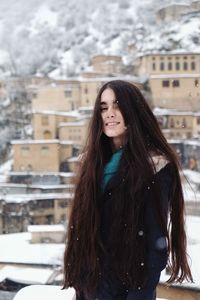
{"x":156,"y":240}
{"x":157,"y":253}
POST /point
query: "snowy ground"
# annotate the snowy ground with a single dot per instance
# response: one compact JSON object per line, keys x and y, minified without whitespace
{"x":18,"y":249}
{"x":192,"y":229}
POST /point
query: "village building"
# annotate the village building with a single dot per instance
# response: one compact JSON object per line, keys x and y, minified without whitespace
{"x":174,"y":79}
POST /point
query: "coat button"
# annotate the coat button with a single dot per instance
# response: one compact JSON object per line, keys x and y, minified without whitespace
{"x":109,"y":193}
{"x":142,"y":264}
{"x":139,"y":288}
{"x":141,"y":233}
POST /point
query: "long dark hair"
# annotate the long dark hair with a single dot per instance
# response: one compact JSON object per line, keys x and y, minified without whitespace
{"x":84,"y":250}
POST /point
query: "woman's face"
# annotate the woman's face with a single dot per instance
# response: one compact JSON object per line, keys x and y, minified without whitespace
{"x":113,"y":121}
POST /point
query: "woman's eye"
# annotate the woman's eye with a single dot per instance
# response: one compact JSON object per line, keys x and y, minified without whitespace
{"x":103,"y":108}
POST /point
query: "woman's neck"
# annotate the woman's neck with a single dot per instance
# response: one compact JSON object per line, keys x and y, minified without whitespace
{"x":118,"y":143}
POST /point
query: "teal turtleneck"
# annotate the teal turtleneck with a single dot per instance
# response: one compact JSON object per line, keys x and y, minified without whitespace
{"x":111,"y":167}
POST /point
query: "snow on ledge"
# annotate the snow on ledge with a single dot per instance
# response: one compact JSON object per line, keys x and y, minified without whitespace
{"x":33,"y":292}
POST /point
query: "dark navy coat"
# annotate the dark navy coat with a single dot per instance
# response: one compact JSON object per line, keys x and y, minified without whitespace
{"x":109,"y":288}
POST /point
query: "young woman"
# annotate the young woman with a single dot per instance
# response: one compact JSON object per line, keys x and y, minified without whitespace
{"x":127,"y":220}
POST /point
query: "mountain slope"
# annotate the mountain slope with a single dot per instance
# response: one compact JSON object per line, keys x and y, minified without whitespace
{"x":59,"y":38}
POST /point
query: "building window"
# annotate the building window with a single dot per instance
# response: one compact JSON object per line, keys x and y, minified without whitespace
{"x":44,"y":150}
{"x":68,"y":93}
{"x":45,"y":120}
{"x":47,"y":135}
{"x":171,"y":123}
{"x":34,"y":94}
{"x":154,"y":66}
{"x":162,"y":66}
{"x":185,"y":57}
{"x":198,"y":120}
{"x":196,"y":83}
{"x":25,"y":150}
{"x":169,"y":66}
{"x":175,"y":83}
{"x":185,"y":66}
{"x":169,"y":58}
{"x":193,"y":65}
{"x":86,"y":90}
{"x":177,"y":66}
{"x":184,"y":124}
{"x":153,"y":58}
{"x":165,"y":83}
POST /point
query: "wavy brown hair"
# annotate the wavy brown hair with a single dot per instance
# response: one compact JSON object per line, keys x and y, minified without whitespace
{"x":85,"y":249}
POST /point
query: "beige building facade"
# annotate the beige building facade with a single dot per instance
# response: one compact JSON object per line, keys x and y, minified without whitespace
{"x":19,"y":211}
{"x":55,"y":98}
{"x":41,"y":155}
{"x":174,"y":79}
{"x":174,"y":11}
{"x":46,"y":123}
{"x":107,"y":64}
{"x":178,"y":124}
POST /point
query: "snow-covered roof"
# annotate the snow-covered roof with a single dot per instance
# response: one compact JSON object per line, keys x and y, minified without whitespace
{"x":25,"y":142}
{"x":86,"y":108}
{"x":26,"y":274}
{"x":68,"y":124}
{"x":170,"y":53}
{"x":24,"y":252}
{"x":73,"y":113}
{"x":73,"y":159}
{"x":35,"y":186}
{"x":107,"y":79}
{"x":17,"y":198}
{"x":43,"y":173}
{"x":188,"y":75}
{"x":46,"y":228}
{"x":164,"y":111}
{"x":193,"y":176}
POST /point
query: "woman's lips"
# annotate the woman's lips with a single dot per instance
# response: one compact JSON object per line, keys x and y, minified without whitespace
{"x":110,"y":124}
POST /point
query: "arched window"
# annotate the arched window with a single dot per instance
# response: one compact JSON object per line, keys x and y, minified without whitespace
{"x":162,"y":66}
{"x":185,"y":65}
{"x":193,"y":65}
{"x":177,"y":66}
{"x":169,"y":66}
{"x":47,"y":135}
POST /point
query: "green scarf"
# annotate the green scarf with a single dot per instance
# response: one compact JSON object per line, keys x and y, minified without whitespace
{"x":111,"y":167}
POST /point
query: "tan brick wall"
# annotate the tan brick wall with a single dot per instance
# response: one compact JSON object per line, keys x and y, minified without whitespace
{"x":75,"y":133}
{"x":89,"y":91}
{"x":61,"y":210}
{"x":36,"y":157}
{"x":65,"y":151}
{"x":184,"y":97}
{"x":56,"y":98}
{"x":44,"y":123}
{"x":151,"y":64}
{"x":196,"y":125}
{"x":172,"y":293}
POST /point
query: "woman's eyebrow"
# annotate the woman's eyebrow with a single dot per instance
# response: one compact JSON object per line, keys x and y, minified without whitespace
{"x":105,"y":103}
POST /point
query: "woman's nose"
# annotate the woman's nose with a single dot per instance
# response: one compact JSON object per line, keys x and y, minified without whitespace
{"x":110,"y":112}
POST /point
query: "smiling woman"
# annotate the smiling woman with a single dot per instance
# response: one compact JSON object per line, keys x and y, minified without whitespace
{"x":128,"y":191}
{"x":113,"y":121}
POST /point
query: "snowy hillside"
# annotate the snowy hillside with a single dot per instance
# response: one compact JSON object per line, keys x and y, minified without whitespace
{"x":59,"y":37}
